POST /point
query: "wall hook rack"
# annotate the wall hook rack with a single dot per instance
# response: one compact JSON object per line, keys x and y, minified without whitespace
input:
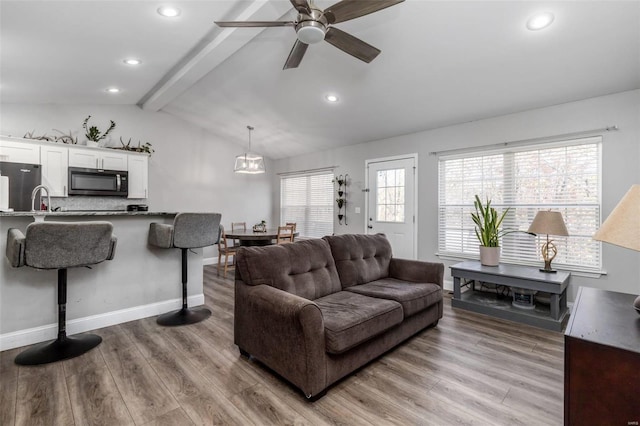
{"x":342,"y":181}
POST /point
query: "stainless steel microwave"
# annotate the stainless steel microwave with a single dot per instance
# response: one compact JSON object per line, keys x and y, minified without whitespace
{"x":98,"y":182}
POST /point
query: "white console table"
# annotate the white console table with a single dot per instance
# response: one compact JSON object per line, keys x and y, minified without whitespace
{"x":551,"y":317}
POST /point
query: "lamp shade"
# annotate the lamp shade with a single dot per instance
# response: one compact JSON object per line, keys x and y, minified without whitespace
{"x":548,"y":222}
{"x":249,"y":163}
{"x":622,"y":227}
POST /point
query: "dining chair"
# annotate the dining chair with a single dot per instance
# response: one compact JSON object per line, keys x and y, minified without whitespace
{"x":226,"y":250}
{"x":237,"y":226}
{"x":285,"y":234}
{"x":292,"y":224}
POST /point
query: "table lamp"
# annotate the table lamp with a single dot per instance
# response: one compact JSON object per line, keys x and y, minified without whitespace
{"x":550,"y":223}
{"x":622,"y":227}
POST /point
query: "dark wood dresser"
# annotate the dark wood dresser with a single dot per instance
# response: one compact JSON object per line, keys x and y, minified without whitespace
{"x":602,"y":360}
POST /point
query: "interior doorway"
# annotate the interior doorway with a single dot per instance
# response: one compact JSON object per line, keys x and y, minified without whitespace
{"x":392,"y":202}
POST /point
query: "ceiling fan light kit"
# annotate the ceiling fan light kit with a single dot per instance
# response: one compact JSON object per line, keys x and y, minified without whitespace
{"x":314,"y":25}
{"x":310,"y":32}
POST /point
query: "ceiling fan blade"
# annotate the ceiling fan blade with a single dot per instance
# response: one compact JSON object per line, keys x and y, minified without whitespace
{"x":350,"y":9}
{"x":296,"y":54}
{"x":254,"y":23}
{"x":351,"y":45}
{"x":302,"y":6}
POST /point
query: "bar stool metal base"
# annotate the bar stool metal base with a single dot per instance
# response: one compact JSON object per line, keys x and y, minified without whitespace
{"x":184,"y":316}
{"x":59,"y":349}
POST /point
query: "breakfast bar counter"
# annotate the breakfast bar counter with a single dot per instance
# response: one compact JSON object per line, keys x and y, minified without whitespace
{"x":140,"y":281}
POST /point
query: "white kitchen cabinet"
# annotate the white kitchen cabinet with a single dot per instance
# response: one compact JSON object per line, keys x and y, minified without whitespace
{"x":92,"y":158}
{"x":55,"y":169}
{"x":19,"y":152}
{"x":138,"y":167}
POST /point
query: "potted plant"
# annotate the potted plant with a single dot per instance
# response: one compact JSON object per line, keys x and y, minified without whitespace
{"x":93,"y":134}
{"x":488,"y":231}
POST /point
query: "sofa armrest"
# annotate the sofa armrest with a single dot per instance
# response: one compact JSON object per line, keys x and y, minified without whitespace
{"x":417,"y":271}
{"x":15,"y":247}
{"x":284,"y":331}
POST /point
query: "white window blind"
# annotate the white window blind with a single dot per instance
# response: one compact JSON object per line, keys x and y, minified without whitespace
{"x":562,"y":176}
{"x":307,"y":200}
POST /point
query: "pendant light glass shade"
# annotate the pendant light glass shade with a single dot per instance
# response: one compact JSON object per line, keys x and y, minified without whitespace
{"x":249,"y":162}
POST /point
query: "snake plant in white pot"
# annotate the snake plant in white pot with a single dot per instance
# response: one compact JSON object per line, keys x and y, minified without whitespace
{"x":488,"y":231}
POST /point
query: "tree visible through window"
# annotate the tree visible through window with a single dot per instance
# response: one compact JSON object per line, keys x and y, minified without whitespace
{"x":308,"y":200}
{"x":562,"y":177}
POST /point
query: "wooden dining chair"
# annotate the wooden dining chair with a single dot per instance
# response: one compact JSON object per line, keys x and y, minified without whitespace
{"x":238,"y":226}
{"x":226,"y":250}
{"x":285,"y":234}
{"x":292,"y":224}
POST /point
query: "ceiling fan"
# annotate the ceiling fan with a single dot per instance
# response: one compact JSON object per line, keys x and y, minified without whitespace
{"x":314,"y":25}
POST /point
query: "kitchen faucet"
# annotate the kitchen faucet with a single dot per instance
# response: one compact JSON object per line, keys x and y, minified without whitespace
{"x":33,"y":197}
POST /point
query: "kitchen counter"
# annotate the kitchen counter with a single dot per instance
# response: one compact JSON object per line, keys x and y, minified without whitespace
{"x":141,"y":281}
{"x":85,"y":213}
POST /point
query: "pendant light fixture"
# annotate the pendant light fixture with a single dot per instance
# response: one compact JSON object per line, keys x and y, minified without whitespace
{"x":249,"y":162}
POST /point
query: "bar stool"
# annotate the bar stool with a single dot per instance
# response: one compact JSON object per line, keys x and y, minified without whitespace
{"x":189,"y":230}
{"x":60,"y":245}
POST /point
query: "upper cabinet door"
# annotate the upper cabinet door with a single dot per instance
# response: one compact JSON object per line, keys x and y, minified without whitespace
{"x":138,"y":176}
{"x":84,"y":157}
{"x":55,"y":169}
{"x":97,"y":159}
{"x":113,"y":160}
{"x":19,"y":152}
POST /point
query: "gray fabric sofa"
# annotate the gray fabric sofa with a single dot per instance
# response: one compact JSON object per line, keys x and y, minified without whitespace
{"x":316,"y":310}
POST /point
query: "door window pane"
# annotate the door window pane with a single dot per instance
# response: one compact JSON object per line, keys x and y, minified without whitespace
{"x":390,"y":195}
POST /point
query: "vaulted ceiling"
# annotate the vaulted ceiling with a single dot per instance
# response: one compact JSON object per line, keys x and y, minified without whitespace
{"x":442,"y":63}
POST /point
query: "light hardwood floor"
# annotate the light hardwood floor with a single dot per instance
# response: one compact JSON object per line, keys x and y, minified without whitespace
{"x":471,"y":369}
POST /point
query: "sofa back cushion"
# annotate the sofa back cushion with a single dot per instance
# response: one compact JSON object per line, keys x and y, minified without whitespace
{"x":304,"y":268}
{"x":360,"y":258}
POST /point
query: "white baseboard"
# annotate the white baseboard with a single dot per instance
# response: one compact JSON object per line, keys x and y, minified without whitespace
{"x":447,"y":285}
{"x":209,"y":260}
{"x":50,"y":331}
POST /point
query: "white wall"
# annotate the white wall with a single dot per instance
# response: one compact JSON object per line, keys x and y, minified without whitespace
{"x":620,"y":169}
{"x":190,"y":170}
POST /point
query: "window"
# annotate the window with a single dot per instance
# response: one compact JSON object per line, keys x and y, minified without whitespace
{"x":563,"y":176}
{"x":307,"y":200}
{"x":390,"y":196}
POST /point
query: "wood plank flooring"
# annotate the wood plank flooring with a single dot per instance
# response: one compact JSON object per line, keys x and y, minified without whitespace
{"x":471,"y":369}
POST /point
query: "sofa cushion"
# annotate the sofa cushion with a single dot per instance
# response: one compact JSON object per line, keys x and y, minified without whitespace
{"x":304,"y":268}
{"x":351,"y":318}
{"x":360,"y":258}
{"x":414,"y":297}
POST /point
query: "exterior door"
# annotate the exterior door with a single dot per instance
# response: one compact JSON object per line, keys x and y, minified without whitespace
{"x":391,"y":203}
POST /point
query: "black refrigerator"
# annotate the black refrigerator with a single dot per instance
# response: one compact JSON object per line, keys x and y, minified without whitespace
{"x":22,"y":179}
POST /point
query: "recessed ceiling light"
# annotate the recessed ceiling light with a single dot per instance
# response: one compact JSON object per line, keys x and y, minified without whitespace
{"x":169,"y":12}
{"x":132,"y":61}
{"x":113,"y":90}
{"x":540,"y":21}
{"x":332,"y":98}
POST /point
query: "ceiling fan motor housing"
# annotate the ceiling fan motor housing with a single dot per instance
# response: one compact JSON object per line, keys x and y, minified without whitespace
{"x":311,"y":29}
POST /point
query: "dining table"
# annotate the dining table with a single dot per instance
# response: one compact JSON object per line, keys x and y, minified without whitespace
{"x":255,"y":238}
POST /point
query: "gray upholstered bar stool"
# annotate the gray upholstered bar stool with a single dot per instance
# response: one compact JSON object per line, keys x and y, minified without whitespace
{"x":189,"y":230}
{"x":60,"y":245}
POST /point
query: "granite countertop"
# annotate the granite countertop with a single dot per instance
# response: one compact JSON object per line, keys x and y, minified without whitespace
{"x":86,"y":213}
